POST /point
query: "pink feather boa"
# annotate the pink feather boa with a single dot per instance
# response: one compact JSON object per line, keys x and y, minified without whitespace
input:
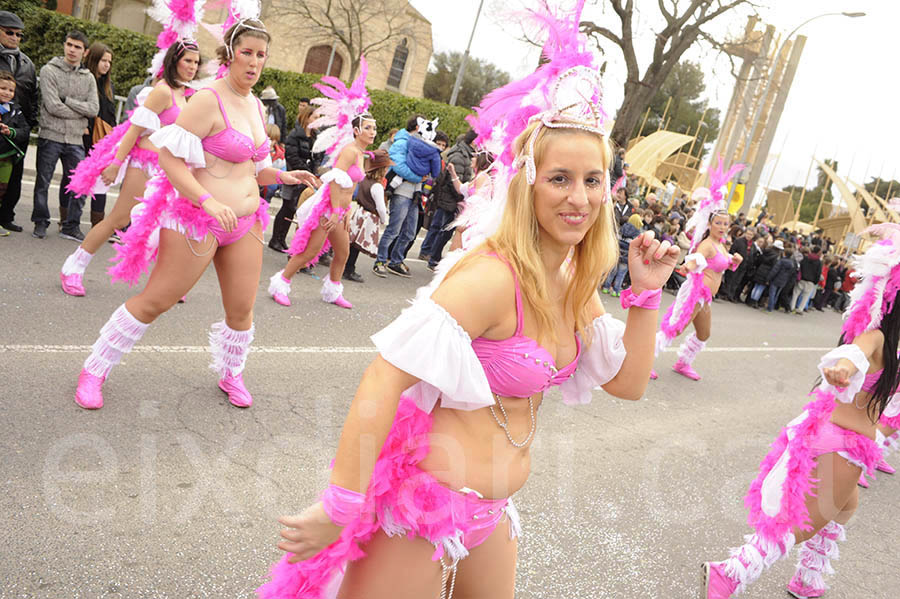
{"x":135,"y":253}
{"x":798,"y":484}
{"x":673,"y":324}
{"x":400,"y":496}
{"x":84,"y":176}
{"x":321,"y":209}
{"x":889,"y":421}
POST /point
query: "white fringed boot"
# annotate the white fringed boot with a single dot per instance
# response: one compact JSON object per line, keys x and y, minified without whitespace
{"x":686,"y":354}
{"x":333,"y":293}
{"x":815,"y":561}
{"x":229,"y":350}
{"x":117,"y":337}
{"x":746,"y":564}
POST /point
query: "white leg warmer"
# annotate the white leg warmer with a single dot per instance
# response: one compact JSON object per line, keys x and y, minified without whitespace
{"x":816,"y":555}
{"x":891,"y":444}
{"x":748,"y":561}
{"x":690,"y":348}
{"x":331,"y":290}
{"x":229,"y":349}
{"x":76,"y":262}
{"x":117,"y":337}
{"x":278,"y":284}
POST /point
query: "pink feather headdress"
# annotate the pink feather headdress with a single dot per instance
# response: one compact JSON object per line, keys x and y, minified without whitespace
{"x":565,"y":91}
{"x":180,"y":20}
{"x":337,"y":110}
{"x":709,"y":200}
{"x":878,"y":280}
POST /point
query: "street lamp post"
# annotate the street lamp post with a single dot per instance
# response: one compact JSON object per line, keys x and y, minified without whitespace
{"x":462,"y":66}
{"x":765,"y":94}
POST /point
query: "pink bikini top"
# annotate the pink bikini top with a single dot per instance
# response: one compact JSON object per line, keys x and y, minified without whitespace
{"x":871,"y":380}
{"x":233,"y":146}
{"x":168,"y":116}
{"x":356,"y":174}
{"x":518,"y":366}
{"x":719,"y":262}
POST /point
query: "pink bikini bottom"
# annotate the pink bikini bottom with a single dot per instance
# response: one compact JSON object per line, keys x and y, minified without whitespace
{"x":402,"y":499}
{"x":223,"y":237}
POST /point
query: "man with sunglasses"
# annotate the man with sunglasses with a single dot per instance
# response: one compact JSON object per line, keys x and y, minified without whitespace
{"x":15,"y":61}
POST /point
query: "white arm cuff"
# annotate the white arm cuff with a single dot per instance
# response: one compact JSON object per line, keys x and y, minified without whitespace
{"x":699,"y":259}
{"x":599,"y":363}
{"x":264,"y":163}
{"x":854,"y":354}
{"x":182,"y":143}
{"x":146,"y":118}
{"x":339,"y":176}
{"x":428,"y":343}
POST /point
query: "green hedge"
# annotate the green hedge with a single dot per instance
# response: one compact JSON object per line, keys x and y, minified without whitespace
{"x":45,"y":32}
{"x":389,"y":108}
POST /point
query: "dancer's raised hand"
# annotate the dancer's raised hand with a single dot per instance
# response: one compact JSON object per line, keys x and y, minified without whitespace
{"x":839,"y":374}
{"x":650,"y":262}
{"x":308,"y":533}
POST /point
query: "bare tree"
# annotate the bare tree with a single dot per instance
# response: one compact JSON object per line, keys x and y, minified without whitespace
{"x":684,"y":23}
{"x":360,"y":27}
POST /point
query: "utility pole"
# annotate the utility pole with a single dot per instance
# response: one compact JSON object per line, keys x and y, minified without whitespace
{"x":465,"y":58}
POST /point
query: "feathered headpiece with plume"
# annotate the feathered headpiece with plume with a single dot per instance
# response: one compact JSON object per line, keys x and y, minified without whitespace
{"x":709,"y":200}
{"x":337,"y":110}
{"x":180,"y":20}
{"x":878,"y":279}
{"x":564,"y":92}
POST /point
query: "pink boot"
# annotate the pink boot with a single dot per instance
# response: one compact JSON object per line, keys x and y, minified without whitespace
{"x":716,"y":584}
{"x":862,"y":482}
{"x":885,"y":467}
{"x":684,"y":369}
{"x":236,"y":390}
{"x":89,"y":393}
{"x":280,"y":289}
{"x":333,"y":293}
{"x":71,"y":284}
{"x":815,"y":562}
{"x":653,"y":375}
{"x":70,"y":277}
{"x":797,"y":589}
{"x":731,"y":577}
{"x":229,"y":349}
{"x":117,"y":337}
{"x":686,"y":354}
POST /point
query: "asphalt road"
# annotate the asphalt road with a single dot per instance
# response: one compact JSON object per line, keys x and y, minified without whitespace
{"x":169,"y":491}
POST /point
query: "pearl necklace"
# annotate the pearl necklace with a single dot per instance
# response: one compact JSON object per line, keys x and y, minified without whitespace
{"x":505,"y":424}
{"x":234,"y":91}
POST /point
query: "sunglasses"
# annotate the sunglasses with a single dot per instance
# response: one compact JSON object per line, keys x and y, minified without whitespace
{"x":18,"y":34}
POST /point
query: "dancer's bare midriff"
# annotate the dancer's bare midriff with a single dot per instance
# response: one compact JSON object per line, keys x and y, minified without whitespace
{"x":469,"y":449}
{"x":231,"y":184}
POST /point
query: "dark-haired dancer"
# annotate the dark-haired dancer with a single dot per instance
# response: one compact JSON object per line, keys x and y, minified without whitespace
{"x":806,"y":490}
{"x":323,"y":217}
{"x":207,"y":207}
{"x":128,"y":157}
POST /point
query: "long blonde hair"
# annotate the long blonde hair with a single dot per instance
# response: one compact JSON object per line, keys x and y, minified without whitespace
{"x":518,"y":240}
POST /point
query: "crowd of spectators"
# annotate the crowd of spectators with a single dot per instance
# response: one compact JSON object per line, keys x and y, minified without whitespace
{"x":782,"y":269}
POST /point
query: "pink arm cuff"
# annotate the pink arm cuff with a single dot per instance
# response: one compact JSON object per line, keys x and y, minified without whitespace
{"x":649,"y":299}
{"x":342,"y":505}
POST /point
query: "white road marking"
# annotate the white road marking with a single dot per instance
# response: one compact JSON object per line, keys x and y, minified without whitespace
{"x":302,"y":349}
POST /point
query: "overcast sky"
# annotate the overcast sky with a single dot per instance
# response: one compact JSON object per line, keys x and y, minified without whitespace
{"x":843,"y":103}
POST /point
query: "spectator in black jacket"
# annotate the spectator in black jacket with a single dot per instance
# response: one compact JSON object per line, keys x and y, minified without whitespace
{"x":733,"y":278}
{"x":276,"y":114}
{"x":627,"y":232}
{"x":810,"y":273}
{"x":14,"y":132}
{"x":298,"y":153}
{"x":622,"y":209}
{"x":17,"y":62}
{"x":783,"y":271}
{"x":764,"y":265}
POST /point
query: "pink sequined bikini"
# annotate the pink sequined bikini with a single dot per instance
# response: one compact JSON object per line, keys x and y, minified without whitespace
{"x":719,"y":263}
{"x":233,"y":146}
{"x":519,"y":366}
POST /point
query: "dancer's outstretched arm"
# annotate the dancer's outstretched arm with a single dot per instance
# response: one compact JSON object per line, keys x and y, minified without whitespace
{"x":650,"y":264}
